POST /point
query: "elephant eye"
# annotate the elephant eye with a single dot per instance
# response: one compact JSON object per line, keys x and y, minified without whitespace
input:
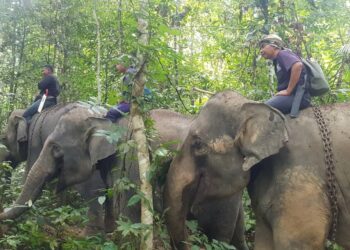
{"x":199,"y":147}
{"x":56,"y":151}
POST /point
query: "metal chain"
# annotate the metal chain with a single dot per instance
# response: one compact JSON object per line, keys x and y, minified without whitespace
{"x":330,"y":169}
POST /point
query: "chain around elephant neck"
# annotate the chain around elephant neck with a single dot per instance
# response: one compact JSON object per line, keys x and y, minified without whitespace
{"x":330,"y":168}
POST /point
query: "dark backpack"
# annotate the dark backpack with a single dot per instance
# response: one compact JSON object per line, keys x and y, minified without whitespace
{"x":315,"y":79}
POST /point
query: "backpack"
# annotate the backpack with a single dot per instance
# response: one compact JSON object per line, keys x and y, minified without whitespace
{"x":315,"y":79}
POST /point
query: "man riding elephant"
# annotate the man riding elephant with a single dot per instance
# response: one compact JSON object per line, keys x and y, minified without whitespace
{"x":72,"y":152}
{"x":290,"y":73}
{"x":298,"y":198}
{"x":49,"y":89}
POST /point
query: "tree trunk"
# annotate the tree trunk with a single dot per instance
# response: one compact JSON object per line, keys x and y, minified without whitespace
{"x":120,"y":27}
{"x":98,"y":51}
{"x":139,"y":129}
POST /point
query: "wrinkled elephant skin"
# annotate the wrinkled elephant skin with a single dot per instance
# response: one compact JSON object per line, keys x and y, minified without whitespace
{"x":72,"y":152}
{"x":17,"y":153}
{"x":236,"y":143}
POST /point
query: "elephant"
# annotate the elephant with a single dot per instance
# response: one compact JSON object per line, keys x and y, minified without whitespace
{"x":16,"y":147}
{"x":236,"y":143}
{"x":16,"y":140}
{"x":72,"y":153}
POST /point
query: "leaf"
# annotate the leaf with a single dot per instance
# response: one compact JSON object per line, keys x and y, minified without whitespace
{"x":101,"y":199}
{"x":109,"y":246}
{"x":133,"y":200}
{"x":207,"y":246}
{"x":162,"y":152}
{"x":192,"y":225}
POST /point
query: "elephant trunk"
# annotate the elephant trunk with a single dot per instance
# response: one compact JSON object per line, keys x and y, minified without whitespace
{"x":31,"y":191}
{"x":175,"y":219}
{"x":179,"y":191}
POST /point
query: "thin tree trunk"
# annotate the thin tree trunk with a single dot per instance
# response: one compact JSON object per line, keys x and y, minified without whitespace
{"x":98,"y":63}
{"x":281,"y":12}
{"x":139,"y":129}
{"x":264,"y":6}
{"x":106,"y":80}
{"x":120,"y":26}
{"x":13,"y":86}
{"x":176,"y":65}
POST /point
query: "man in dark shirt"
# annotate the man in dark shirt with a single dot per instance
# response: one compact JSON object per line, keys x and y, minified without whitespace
{"x":290,"y":73}
{"x":48,"y":86}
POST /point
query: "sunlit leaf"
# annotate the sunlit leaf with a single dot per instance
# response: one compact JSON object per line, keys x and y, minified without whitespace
{"x":101,"y":199}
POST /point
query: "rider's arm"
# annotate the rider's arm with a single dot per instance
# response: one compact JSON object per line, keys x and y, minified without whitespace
{"x":294,"y":76}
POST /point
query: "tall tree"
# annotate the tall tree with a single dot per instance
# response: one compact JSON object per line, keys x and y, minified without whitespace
{"x":98,"y":52}
{"x":139,"y":127}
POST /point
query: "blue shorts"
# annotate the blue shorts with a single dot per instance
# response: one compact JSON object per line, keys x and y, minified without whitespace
{"x":117,"y":112}
{"x":284,"y":103}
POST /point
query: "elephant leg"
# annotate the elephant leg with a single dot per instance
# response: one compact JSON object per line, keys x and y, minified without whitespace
{"x":301,"y":217}
{"x":301,"y":230}
{"x":90,"y":190}
{"x":238,"y":239}
{"x":96,"y":223}
{"x":263,"y":236}
{"x":105,"y":167}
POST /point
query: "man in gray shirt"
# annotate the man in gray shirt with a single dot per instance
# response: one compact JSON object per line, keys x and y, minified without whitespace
{"x":290,"y":73}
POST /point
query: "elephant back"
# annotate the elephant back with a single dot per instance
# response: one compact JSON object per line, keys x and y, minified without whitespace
{"x":170,"y":127}
{"x":42,"y":125}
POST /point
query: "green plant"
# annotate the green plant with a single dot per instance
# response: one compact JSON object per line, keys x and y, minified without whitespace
{"x":249,"y":219}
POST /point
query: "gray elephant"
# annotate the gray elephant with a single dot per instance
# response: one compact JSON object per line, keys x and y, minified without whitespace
{"x":16,"y":140}
{"x":72,"y":153}
{"x":236,"y":143}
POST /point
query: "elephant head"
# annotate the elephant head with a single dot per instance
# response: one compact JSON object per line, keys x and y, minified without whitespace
{"x":15,"y":138}
{"x":230,"y":135}
{"x":71,"y":153}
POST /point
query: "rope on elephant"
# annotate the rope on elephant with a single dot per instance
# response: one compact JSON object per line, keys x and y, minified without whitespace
{"x":330,"y":167}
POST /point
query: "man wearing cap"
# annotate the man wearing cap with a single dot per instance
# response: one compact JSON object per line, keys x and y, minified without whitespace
{"x":49,"y":86}
{"x":290,"y":73}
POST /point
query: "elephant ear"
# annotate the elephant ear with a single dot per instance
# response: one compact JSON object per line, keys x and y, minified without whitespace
{"x":21,"y":129}
{"x":263,"y":132}
{"x":99,"y":147}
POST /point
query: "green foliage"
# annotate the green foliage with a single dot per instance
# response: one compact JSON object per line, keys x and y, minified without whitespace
{"x":249,"y":220}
